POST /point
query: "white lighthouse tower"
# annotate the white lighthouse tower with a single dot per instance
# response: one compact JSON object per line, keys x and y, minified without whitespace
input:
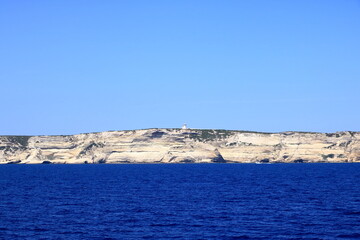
{"x":184,"y":127}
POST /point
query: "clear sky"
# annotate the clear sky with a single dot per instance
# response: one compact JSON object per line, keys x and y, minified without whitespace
{"x":70,"y":67}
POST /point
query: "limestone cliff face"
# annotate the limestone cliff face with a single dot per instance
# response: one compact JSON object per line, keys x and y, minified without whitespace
{"x":182,"y":146}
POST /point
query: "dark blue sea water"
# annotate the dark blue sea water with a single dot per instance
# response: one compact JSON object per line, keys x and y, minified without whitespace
{"x":184,"y":201}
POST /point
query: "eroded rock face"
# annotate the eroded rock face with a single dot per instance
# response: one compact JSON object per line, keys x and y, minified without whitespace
{"x":182,"y":146}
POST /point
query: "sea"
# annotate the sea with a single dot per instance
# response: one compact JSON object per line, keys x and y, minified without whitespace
{"x":180,"y":201}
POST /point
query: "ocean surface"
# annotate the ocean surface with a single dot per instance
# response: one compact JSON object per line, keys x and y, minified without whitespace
{"x":180,"y":201}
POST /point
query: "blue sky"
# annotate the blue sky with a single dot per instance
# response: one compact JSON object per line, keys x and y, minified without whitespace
{"x":70,"y":67}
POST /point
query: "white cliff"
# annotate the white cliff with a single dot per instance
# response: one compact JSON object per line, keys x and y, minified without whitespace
{"x":182,"y":146}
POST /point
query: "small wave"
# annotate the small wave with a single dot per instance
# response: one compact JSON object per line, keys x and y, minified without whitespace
{"x":357,"y":213}
{"x":351,"y":236}
{"x":164,"y":225}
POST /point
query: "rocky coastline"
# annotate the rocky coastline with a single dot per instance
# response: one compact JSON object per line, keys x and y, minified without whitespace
{"x":182,"y":146}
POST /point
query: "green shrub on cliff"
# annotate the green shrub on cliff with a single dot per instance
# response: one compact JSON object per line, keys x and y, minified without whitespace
{"x":21,"y":140}
{"x":210,"y":135}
